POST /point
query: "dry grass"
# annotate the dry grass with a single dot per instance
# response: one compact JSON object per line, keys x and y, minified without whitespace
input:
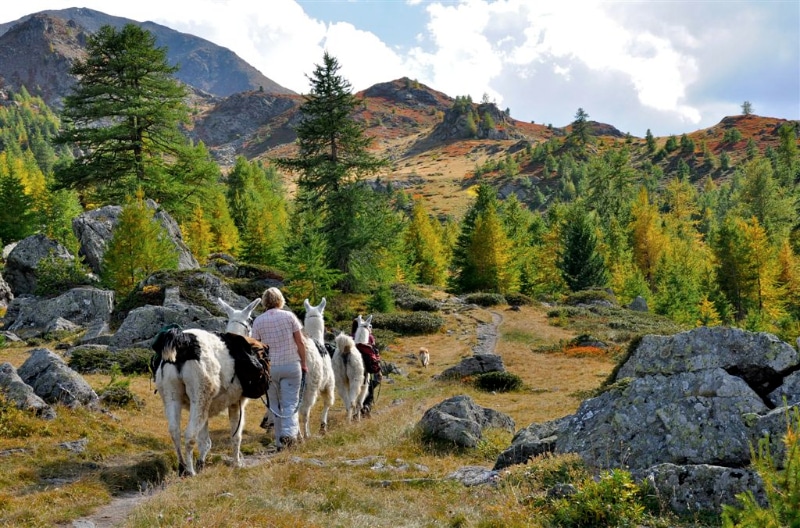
{"x":363,"y":474}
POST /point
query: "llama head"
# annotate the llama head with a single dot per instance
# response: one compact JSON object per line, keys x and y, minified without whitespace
{"x":238,"y":320}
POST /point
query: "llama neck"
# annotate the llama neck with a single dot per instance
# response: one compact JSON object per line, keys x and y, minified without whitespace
{"x":315,"y":328}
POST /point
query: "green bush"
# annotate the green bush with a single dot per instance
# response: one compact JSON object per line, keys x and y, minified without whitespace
{"x":612,"y":500}
{"x":415,"y":323}
{"x":485,"y":299}
{"x":406,"y":298}
{"x":498,"y":382}
{"x":589,"y":296}
{"x":15,"y":423}
{"x":381,"y":301}
{"x":518,"y":299}
{"x":55,"y":275}
{"x":94,"y":360}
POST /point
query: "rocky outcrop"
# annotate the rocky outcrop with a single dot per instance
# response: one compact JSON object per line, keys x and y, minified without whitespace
{"x":53,"y":380}
{"x":23,"y":261}
{"x":683,"y":411}
{"x":80,"y":307}
{"x":460,"y":421}
{"x":21,"y":394}
{"x":142,"y":324}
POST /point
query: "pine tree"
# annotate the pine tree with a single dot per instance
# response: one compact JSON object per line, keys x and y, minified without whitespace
{"x":17,"y":217}
{"x":124,"y":114}
{"x":580,"y":263}
{"x":332,"y":159}
{"x":139,"y":247}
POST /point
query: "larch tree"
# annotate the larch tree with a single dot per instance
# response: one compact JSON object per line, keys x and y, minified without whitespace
{"x":461,"y":277}
{"x":139,"y":247}
{"x":123,"y":115}
{"x":491,"y":255}
{"x":428,"y":256}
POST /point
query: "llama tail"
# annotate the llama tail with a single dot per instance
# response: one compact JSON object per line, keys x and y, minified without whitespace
{"x":345,"y":345}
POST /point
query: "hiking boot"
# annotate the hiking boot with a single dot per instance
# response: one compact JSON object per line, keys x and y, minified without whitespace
{"x":266,"y":423}
{"x":287,"y":442}
{"x":366,"y":411}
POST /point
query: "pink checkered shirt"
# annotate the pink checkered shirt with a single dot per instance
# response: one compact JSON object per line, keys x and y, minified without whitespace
{"x":276,"y":327}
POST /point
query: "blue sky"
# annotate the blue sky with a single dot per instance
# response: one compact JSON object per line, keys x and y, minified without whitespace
{"x":671,"y":66}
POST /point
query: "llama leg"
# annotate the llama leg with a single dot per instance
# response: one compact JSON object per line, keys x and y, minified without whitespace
{"x":203,"y":446}
{"x":172,"y":410}
{"x":236,"y":419}
{"x":328,"y":396}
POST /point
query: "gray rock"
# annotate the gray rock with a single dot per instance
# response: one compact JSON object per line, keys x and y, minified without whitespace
{"x":143,"y":323}
{"x":639,"y":304}
{"x":534,"y":440}
{"x":21,"y":394}
{"x":756,"y":357}
{"x":97,"y":333}
{"x":789,"y":389}
{"x":473,"y":365}
{"x":475,"y":476}
{"x":23,"y":261}
{"x":206,"y":285}
{"x":772,"y":426}
{"x":186,"y":260}
{"x":688,"y":418}
{"x":459,"y":420}
{"x":694,"y":489}
{"x":78,"y":306}
{"x":55,"y":382}
{"x":6,"y":295}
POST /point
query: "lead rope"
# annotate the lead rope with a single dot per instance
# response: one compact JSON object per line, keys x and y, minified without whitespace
{"x":265,"y":401}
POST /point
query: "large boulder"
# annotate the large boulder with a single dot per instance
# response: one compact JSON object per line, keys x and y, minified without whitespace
{"x":53,"y":380}
{"x":689,"y":418}
{"x":202,"y":284}
{"x":23,"y":262}
{"x":80,"y":306}
{"x":684,"y":412}
{"x":143,"y":323}
{"x":760,"y":358}
{"x":94,"y":230}
{"x":21,"y":394}
{"x":460,"y":421}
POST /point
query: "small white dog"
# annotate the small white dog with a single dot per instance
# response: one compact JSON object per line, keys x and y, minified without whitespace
{"x":424,"y":356}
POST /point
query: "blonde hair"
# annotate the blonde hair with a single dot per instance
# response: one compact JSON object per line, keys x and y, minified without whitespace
{"x":272,"y":298}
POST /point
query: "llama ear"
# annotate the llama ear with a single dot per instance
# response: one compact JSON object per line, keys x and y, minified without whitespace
{"x":322,"y":304}
{"x":252,"y":306}
{"x":226,"y":307}
{"x":307,"y":305}
{"x":369,"y":319}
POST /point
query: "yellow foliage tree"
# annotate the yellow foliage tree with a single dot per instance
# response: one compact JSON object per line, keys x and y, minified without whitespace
{"x":428,"y":256}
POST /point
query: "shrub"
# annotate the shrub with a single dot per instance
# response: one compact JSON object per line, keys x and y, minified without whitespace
{"x":485,"y":299}
{"x":589,"y":296}
{"x":381,"y":300}
{"x":15,"y":423}
{"x":416,"y":323}
{"x":498,"y":382}
{"x":612,"y":500}
{"x":407,"y":298}
{"x":518,"y":299}
{"x":55,"y":275}
{"x":92,"y":360}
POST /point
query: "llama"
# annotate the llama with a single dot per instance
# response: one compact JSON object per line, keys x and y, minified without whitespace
{"x":195,"y":369}
{"x":351,"y":379}
{"x":424,"y":356}
{"x":321,"y":382}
